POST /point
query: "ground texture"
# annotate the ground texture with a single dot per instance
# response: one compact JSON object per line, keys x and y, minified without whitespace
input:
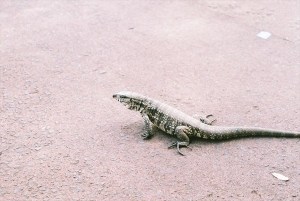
{"x":63,"y":137}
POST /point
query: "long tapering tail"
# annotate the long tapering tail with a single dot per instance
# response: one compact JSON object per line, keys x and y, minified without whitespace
{"x":221,"y":133}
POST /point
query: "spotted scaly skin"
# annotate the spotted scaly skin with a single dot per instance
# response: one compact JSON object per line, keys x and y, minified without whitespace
{"x":175,"y":122}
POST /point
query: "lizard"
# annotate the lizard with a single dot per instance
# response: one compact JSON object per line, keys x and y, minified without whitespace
{"x":183,"y":126}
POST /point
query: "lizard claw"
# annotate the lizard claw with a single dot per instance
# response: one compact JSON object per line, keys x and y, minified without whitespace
{"x":145,"y":135}
{"x":207,"y":121}
{"x":178,"y":144}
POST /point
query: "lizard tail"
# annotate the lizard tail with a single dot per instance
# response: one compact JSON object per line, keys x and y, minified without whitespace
{"x":216,"y":132}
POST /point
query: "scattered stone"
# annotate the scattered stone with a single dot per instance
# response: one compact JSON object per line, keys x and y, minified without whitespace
{"x":280,"y":176}
{"x":264,"y":34}
{"x":38,"y":148}
{"x":16,"y":190}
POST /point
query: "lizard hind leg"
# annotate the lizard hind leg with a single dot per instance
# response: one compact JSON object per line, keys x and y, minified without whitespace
{"x":181,"y":133}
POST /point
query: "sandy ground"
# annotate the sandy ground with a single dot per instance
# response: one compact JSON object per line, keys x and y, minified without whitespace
{"x":63,"y":136}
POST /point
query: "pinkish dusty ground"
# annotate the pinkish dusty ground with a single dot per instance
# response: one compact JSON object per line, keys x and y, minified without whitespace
{"x":63,"y":136}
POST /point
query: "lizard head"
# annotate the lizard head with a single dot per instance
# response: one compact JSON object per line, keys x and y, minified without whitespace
{"x":132,"y":101}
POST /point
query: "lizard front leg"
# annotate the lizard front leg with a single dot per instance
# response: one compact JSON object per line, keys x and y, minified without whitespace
{"x":148,"y":132}
{"x":181,"y":133}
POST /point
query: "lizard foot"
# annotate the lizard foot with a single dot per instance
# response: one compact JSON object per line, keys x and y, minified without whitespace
{"x":146,"y":135}
{"x":178,"y":144}
{"x":206,"y":119}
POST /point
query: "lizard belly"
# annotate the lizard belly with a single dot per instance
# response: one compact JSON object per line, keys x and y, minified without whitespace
{"x":164,"y":122}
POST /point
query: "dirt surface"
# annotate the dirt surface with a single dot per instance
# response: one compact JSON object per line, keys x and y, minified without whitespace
{"x":63,"y":136}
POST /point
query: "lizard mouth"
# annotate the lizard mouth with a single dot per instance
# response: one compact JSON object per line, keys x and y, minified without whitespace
{"x":125,"y":101}
{"x":117,"y":97}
